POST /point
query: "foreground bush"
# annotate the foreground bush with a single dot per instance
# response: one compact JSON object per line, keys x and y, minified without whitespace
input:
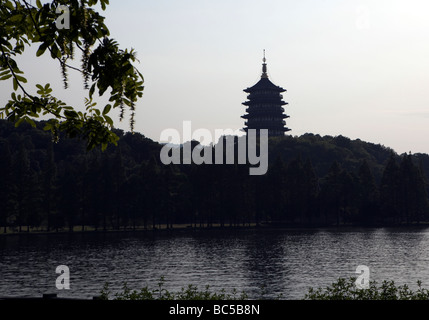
{"x":345,"y":289}
{"x":160,"y":293}
{"x":342,"y":289}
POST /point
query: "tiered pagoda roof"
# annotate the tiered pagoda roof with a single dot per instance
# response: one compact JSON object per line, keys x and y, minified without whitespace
{"x":265,"y":106}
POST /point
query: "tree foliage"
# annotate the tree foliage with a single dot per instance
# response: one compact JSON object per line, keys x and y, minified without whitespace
{"x":345,"y":289}
{"x":103,"y":66}
{"x":341,"y":290}
{"x":61,"y":186}
{"x":191,"y":292}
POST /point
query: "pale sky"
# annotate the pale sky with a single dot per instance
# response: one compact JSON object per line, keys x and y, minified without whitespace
{"x":354,"y":68}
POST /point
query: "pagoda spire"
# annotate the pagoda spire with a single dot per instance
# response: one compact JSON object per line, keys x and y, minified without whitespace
{"x":264,"y":67}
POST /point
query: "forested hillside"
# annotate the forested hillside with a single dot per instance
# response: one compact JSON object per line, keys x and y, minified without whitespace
{"x":311,"y":181}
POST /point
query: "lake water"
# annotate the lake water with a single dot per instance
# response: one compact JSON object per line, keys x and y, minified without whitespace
{"x":280,"y":261}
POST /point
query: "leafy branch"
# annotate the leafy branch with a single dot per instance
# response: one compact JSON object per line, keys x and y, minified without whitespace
{"x":105,"y":67}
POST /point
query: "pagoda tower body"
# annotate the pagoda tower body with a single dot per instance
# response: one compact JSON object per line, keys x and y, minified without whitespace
{"x":265,"y":106}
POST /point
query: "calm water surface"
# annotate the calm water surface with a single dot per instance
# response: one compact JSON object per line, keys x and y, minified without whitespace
{"x":280,"y":261}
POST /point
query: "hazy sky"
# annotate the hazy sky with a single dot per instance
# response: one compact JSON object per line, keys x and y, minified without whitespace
{"x":354,"y":68}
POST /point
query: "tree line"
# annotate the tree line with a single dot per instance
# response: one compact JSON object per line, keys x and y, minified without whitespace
{"x":311,"y":181}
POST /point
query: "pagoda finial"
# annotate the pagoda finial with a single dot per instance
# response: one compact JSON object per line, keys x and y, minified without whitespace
{"x":264,"y":67}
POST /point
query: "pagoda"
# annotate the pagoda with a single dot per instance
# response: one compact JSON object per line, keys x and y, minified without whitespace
{"x":265,"y":106}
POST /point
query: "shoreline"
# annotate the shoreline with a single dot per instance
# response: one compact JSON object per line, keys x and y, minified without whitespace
{"x":182,"y":228}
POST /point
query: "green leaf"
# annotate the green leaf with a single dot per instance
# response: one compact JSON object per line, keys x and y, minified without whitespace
{"x":6,"y":77}
{"x":15,"y":84}
{"x":41,"y":49}
{"x":70,"y":114}
{"x":31,"y":122}
{"x":55,"y":52}
{"x":4,"y":72}
{"x":21,"y":79}
{"x":47,"y":127}
{"x":9,"y":5}
{"x":47,"y":88}
{"x":16,"y":18}
{"x":41,"y":90}
{"x":108,"y":120}
{"x":107,"y":109}
{"x":91,"y":91}
{"x":20,"y":120}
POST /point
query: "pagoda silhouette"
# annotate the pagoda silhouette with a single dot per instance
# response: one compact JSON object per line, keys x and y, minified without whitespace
{"x":265,"y":106}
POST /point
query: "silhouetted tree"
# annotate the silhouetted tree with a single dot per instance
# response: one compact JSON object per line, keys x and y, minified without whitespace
{"x":331,"y":194}
{"x":23,"y":177}
{"x":311,"y":192}
{"x":413,"y":196}
{"x":390,"y":192}
{"x":347,"y":196}
{"x":367,"y":196}
{"x":93,"y":190}
{"x":49,"y":176}
{"x":70,"y":195}
{"x":296,"y":191}
{"x":7,"y":186}
{"x":275,"y":196}
{"x":62,"y":185}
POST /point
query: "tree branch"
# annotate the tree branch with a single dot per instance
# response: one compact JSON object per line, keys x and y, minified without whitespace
{"x":14,"y":75}
{"x":50,"y":50}
{"x":23,"y":89}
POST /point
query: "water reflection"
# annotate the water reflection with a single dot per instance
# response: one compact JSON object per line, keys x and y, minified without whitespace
{"x":278,"y":261}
